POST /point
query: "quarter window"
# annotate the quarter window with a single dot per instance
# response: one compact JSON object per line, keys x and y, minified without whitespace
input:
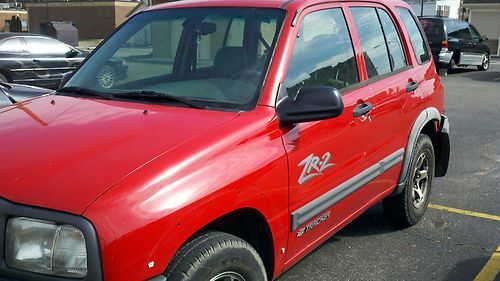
{"x":323,"y":53}
{"x":372,"y":41}
{"x":396,"y":54}
{"x":417,"y":41}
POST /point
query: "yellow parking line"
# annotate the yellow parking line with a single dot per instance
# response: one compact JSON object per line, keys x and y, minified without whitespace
{"x":491,"y":269}
{"x":465,"y":212}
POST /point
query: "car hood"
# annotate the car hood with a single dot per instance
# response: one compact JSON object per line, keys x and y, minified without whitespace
{"x":23,"y":92}
{"x":62,"y":153}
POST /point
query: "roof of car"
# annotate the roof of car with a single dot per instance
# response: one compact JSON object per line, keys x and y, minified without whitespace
{"x":4,"y":35}
{"x":296,"y":4}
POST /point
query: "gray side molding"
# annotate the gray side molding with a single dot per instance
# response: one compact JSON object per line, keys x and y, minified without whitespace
{"x":325,"y":201}
{"x":425,"y":116}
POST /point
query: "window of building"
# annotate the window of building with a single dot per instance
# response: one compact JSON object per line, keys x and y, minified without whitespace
{"x":416,"y":38}
{"x":443,"y":10}
{"x":323,"y":53}
{"x":396,"y":54}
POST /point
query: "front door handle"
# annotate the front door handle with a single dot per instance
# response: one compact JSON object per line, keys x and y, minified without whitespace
{"x":36,"y":61}
{"x":412,"y":86}
{"x":362,"y":109}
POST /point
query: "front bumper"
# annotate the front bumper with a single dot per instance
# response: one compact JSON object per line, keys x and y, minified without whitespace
{"x":9,"y":209}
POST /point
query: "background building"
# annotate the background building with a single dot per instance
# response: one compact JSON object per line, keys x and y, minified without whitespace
{"x":6,"y":13}
{"x":94,"y":20}
{"x":485,"y":16}
{"x":449,"y":8}
{"x":423,"y":7}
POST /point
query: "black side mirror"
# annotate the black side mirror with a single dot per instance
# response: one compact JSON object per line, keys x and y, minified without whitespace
{"x":65,"y":78}
{"x":72,"y":53}
{"x":484,"y":38}
{"x":312,"y":103}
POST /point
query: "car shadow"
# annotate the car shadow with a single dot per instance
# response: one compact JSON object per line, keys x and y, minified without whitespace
{"x":467,"y":269}
{"x":372,"y":222}
{"x":476,"y":75}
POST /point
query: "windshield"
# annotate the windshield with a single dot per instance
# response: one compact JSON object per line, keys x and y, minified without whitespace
{"x":215,"y":56}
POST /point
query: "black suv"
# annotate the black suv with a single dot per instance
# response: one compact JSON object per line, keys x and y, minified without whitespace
{"x":456,"y":43}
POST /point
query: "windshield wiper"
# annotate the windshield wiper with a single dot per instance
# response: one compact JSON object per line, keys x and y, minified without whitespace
{"x":158,"y":96}
{"x":85,"y":92}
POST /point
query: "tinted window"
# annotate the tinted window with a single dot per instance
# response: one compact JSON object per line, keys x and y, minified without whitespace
{"x":417,"y":41}
{"x":12,"y":45}
{"x":39,"y":46}
{"x":372,"y":41}
{"x":458,"y":29}
{"x":475,"y":34}
{"x":323,"y":53}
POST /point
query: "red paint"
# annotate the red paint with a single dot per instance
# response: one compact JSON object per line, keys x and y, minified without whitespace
{"x":149,"y":181}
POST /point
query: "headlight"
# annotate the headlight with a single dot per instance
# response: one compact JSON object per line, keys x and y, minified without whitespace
{"x":45,"y":247}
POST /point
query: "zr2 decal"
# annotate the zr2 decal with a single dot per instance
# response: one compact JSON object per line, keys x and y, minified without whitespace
{"x":314,"y":166}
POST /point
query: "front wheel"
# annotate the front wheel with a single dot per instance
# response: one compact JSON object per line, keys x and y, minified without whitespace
{"x":408,"y":208}
{"x":216,"y":256}
{"x":486,"y":63}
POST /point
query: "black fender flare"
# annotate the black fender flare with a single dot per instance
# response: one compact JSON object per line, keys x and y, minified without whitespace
{"x":423,"y":118}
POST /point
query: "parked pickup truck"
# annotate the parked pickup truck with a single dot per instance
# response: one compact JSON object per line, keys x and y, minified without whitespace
{"x":243,"y":136}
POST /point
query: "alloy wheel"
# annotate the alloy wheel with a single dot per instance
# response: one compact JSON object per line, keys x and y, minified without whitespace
{"x":486,"y":62}
{"x":420,"y":181}
{"x":228,"y":276}
{"x":106,"y":78}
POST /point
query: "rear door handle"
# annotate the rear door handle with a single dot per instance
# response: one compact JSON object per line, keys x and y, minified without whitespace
{"x":412,"y":86}
{"x":362,"y":109}
{"x":37,"y":61}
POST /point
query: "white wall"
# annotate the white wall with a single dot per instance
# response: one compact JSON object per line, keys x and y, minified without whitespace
{"x":486,"y":18}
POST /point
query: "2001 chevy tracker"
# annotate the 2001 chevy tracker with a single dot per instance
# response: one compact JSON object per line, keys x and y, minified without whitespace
{"x":244,"y":134}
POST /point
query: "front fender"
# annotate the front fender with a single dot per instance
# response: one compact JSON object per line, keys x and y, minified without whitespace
{"x":145,"y":219}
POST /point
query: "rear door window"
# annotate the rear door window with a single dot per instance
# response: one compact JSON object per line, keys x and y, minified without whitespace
{"x":372,"y":41}
{"x":396,"y":54}
{"x":416,"y":37}
{"x":323,"y":54}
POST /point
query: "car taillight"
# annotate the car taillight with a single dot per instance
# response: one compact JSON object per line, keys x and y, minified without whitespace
{"x":444,"y":44}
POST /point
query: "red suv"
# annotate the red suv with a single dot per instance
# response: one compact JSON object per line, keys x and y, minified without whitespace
{"x":244,"y":134}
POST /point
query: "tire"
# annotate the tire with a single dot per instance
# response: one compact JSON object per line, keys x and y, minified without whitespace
{"x":106,"y":77}
{"x":486,"y":63}
{"x":408,"y":208}
{"x":453,"y":64}
{"x":216,"y":256}
{"x":3,"y":79}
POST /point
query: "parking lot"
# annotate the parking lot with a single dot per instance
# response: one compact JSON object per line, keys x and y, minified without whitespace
{"x":450,"y":243}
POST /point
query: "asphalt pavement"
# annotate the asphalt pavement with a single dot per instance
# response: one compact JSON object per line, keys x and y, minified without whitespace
{"x":459,"y":235}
